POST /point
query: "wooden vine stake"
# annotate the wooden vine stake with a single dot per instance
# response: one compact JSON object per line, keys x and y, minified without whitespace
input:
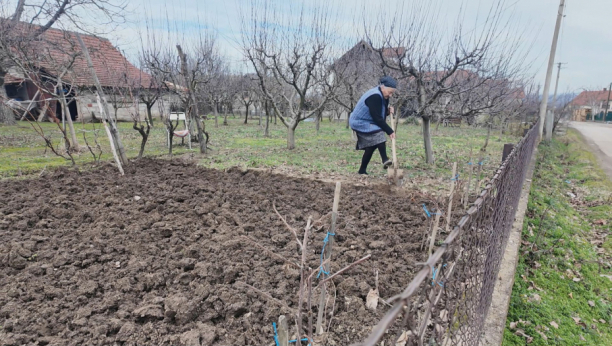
{"x":394,"y":173}
{"x":283,"y":331}
{"x":111,"y":128}
{"x":480,"y":161}
{"x":450,"y":197}
{"x":327,"y":257}
{"x":110,"y":138}
{"x":466,"y":196}
{"x":434,"y":233}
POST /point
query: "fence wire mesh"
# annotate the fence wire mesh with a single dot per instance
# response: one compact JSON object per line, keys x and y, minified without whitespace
{"x":448,"y":300}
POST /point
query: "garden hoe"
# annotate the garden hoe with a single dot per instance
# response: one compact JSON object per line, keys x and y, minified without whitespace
{"x":394,"y":173}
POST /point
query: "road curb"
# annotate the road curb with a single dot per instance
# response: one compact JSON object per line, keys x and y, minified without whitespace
{"x":495,"y":322}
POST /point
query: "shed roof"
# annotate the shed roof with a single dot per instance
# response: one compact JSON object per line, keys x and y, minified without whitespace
{"x":54,"y":50}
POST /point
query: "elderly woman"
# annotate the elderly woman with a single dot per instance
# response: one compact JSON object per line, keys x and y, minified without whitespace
{"x":368,"y":122}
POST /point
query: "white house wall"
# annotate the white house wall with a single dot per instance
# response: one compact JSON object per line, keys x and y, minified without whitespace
{"x":87,"y":104}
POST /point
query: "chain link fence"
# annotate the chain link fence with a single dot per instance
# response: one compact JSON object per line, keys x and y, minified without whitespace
{"x":448,"y":300}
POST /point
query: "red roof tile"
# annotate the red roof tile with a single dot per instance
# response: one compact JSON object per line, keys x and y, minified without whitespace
{"x":590,"y":98}
{"x":53,"y":50}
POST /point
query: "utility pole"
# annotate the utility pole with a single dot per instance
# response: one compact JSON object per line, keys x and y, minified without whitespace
{"x":551,"y":62}
{"x":550,"y":118}
{"x":607,"y":105}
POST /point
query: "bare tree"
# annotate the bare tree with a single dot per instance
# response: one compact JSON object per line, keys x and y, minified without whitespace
{"x":434,"y":68}
{"x":230,"y":85}
{"x":149,"y":96}
{"x":247,"y":93}
{"x":289,"y":51}
{"x":126,"y":92}
{"x":562,"y":108}
{"x":214,"y":83}
{"x":185,"y":69}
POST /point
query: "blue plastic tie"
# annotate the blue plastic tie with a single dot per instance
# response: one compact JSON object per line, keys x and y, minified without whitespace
{"x":429,"y":214}
{"x":470,"y":163}
{"x":292,"y":341}
{"x":275,"y":334}
{"x":456,"y":177}
{"x":433,"y":277}
{"x":325,"y":241}
{"x":426,"y":211}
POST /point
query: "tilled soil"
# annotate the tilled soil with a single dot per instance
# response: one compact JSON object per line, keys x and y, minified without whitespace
{"x":160,"y":255}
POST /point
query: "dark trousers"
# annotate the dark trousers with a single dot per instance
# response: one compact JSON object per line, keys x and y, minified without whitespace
{"x":369,"y":151}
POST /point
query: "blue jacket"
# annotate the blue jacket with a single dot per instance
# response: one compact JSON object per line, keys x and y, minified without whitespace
{"x":360,"y":119}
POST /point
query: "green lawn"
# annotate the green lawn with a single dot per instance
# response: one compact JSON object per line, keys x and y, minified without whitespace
{"x":331,"y":151}
{"x":560,"y":281}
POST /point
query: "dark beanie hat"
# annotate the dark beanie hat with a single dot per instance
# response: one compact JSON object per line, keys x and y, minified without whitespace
{"x":389,"y":82}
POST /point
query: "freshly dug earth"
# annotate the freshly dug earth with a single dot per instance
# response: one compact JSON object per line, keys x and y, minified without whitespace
{"x":160,"y":255}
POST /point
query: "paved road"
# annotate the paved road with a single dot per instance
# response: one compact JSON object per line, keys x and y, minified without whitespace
{"x":599,"y":137}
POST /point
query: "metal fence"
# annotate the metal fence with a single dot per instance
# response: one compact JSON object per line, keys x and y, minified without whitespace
{"x":448,"y":300}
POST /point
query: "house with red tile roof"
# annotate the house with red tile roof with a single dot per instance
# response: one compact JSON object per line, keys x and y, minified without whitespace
{"x":588,"y":104}
{"x":58,"y":52}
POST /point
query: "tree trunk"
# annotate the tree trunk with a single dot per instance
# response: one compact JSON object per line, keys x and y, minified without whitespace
{"x":149,"y":115}
{"x":291,"y":136}
{"x":170,"y":130}
{"x":258,"y":111}
{"x":145,"y":137}
{"x":68,"y":117}
{"x":267,"y":130}
{"x":267,"y":110}
{"x":429,"y":158}
{"x":216,"y":112}
{"x":348,"y":117}
{"x":246,"y":114}
{"x":7,"y":116}
{"x":225,"y":117}
{"x":317,"y":122}
{"x":501,"y":129}
{"x":275,"y":118}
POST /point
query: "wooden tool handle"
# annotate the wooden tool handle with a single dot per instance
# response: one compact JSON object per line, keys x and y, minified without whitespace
{"x":393,"y":143}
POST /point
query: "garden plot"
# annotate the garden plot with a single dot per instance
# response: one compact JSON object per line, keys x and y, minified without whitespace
{"x":169,"y":254}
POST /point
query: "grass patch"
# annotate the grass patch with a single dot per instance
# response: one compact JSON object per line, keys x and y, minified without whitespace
{"x":559,"y":280}
{"x":330,"y":151}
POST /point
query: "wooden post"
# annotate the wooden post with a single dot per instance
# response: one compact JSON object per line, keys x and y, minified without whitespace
{"x":507,"y":150}
{"x":110,"y":138}
{"x":66,"y":116}
{"x":283,"y":331}
{"x":103,"y":105}
{"x":327,"y":257}
{"x":43,"y":112}
{"x":434,"y":233}
{"x":466,"y":196}
{"x":25,"y":113}
{"x":450,"y":197}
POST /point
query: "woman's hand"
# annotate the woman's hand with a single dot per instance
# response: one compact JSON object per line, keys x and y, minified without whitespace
{"x":392,"y":136}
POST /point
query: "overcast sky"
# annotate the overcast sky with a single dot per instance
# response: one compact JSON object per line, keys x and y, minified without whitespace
{"x":585,"y":41}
